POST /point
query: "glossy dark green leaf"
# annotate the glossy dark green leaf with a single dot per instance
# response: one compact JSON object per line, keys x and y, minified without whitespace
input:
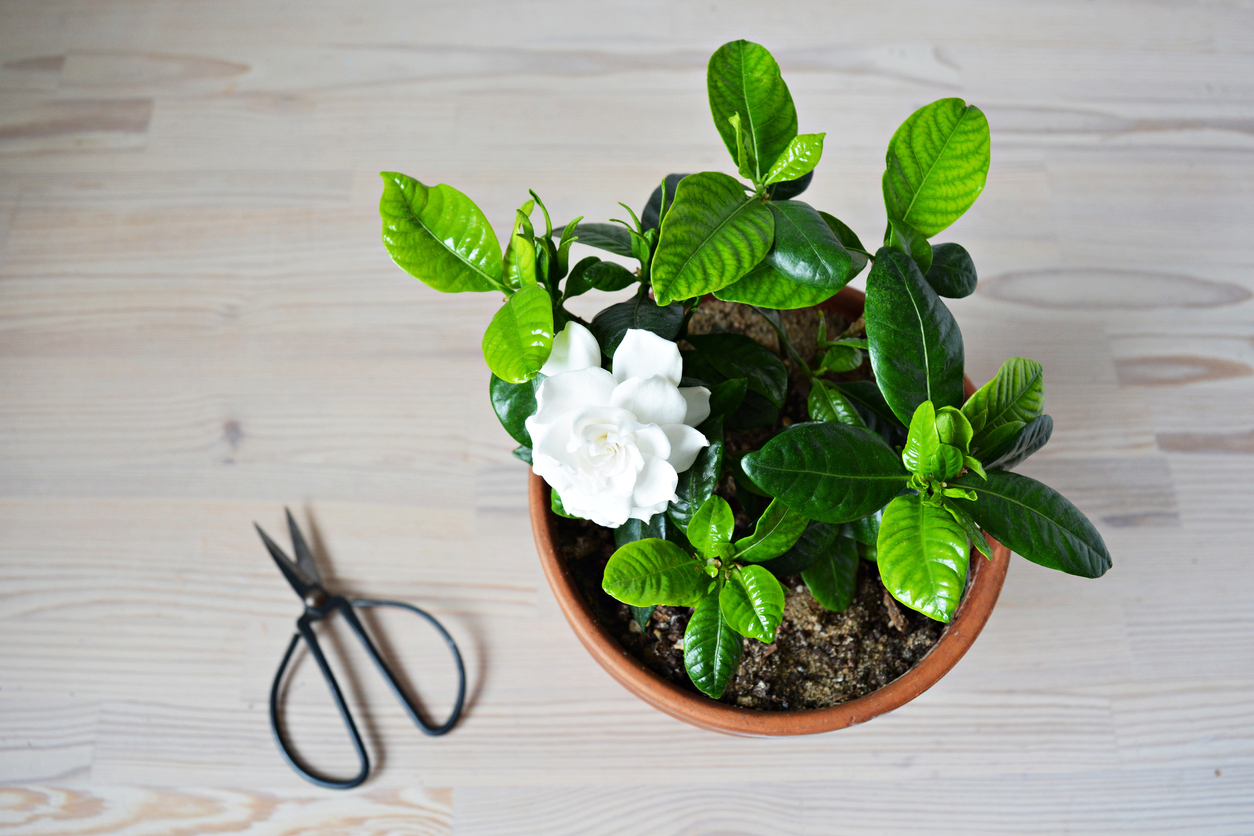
{"x":1016,"y":393}
{"x":849,"y":240}
{"x":922,"y":554}
{"x":841,"y":358}
{"x":520,"y":336}
{"x":711,"y":525}
{"x":798,"y":159}
{"x":833,"y":578}
{"x":648,"y":572}
{"x":658,"y":527}
{"x":577,"y":285}
{"x":649,"y":218}
{"x":752,"y":602}
{"x":806,"y":250}
{"x":826,"y":403}
{"x":922,"y":440}
{"x":642,"y":615}
{"x":865,"y":530}
{"x":439,"y":236}
{"x":766,"y":287}
{"x":609,"y":237}
{"x":913,"y":243}
{"x":952,"y":273}
{"x":971,"y":527}
{"x":916,"y":347}
{"x":1034,"y":435}
{"x":1037,"y":522}
{"x":775,"y":533}
{"x":829,"y":472}
{"x":789,"y":189}
{"x":523,"y":454}
{"x":611,"y":324}
{"x":875,"y":411}
{"x":812,"y":545}
{"x":735,"y":355}
{"x":743,"y":79}
{"x":725,"y":397}
{"x":712,"y":235}
{"x":697,"y":483}
{"x":936,"y":165}
{"x":514,"y":403}
{"x":754,"y":411}
{"x":712,"y":649}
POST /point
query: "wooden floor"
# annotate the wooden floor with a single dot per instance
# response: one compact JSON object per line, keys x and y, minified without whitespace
{"x":199,"y":325}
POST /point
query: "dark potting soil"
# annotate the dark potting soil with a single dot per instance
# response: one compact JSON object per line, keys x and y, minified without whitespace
{"x":819,"y":658}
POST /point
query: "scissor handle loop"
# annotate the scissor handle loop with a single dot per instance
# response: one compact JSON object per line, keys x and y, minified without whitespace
{"x":305,"y":631}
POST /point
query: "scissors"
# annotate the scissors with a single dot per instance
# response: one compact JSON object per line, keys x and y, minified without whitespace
{"x":302,"y":574}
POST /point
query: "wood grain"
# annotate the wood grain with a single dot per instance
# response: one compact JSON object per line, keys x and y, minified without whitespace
{"x":199,"y":326}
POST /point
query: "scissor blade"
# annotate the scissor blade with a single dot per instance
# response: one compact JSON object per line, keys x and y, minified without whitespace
{"x":304,"y":557}
{"x":289,"y":569}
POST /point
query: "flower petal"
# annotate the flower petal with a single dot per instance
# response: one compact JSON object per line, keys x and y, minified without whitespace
{"x":571,"y":392}
{"x":645,"y":354}
{"x":607,"y":509}
{"x":653,"y":441}
{"x":698,"y":398}
{"x":655,"y":484}
{"x":574,"y":348}
{"x":686,"y":443}
{"x":648,"y":513}
{"x":653,"y":400}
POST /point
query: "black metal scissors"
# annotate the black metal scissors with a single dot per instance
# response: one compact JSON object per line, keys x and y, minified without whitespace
{"x":303,"y":576}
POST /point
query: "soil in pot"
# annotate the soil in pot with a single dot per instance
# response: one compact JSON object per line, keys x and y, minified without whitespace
{"x":819,"y":658}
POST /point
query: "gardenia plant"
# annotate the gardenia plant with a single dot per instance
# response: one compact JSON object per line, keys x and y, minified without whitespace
{"x":625,"y":416}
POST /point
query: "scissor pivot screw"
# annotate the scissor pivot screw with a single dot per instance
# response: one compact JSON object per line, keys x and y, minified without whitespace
{"x":315,"y":599}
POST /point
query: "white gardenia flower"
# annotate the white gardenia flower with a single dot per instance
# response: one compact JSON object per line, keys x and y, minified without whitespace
{"x":613,"y":444}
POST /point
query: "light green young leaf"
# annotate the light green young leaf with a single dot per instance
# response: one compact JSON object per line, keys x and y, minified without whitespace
{"x":555,"y":502}
{"x":954,"y":428}
{"x":744,"y":163}
{"x":777,"y":530}
{"x":945,"y":463}
{"x":833,"y":578}
{"x":711,"y":525}
{"x":752,"y":602}
{"x":648,"y":572}
{"x":922,"y":555}
{"x":1034,"y":435}
{"x":520,"y":254}
{"x":712,"y":649}
{"x":936,"y":165}
{"x":743,"y":79}
{"x":973,"y":464}
{"x":766,"y":287}
{"x":800,"y":157}
{"x":520,"y":336}
{"x":712,"y":235}
{"x":437,"y":235}
{"x":1016,"y":393}
{"x":971,"y":527}
{"x":922,"y":441}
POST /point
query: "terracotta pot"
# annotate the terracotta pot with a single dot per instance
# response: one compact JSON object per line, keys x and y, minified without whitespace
{"x":984,"y":585}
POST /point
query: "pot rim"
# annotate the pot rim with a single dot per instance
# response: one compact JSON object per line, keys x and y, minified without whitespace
{"x":983,"y":588}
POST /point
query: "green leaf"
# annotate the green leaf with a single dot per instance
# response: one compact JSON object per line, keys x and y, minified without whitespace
{"x":712,"y":649}
{"x":520,"y":336}
{"x":1031,"y":438}
{"x":788,"y":189}
{"x":922,"y":441}
{"x":806,"y":250}
{"x":519,"y":262}
{"x":922,"y":554}
{"x":910,"y":241}
{"x":735,"y":355}
{"x":752,"y":602}
{"x":766,"y":287}
{"x":555,"y":502}
{"x":648,"y":572}
{"x":711,"y":525}
{"x":744,"y":164}
{"x":641,"y":616}
{"x":875,"y":411}
{"x":1001,"y":438}
{"x":841,"y":358}
{"x":849,"y":240}
{"x":522,"y":454}
{"x":658,"y":527}
{"x":775,"y":533}
{"x":726,"y":396}
{"x":577,"y":285}
{"x":514,"y":403}
{"x":828,"y":404}
{"x":833,"y":578}
{"x":952,"y":273}
{"x":609,"y":237}
{"x":1037,"y":522}
{"x":959,"y":493}
{"x":799,"y":158}
{"x":953,"y":428}
{"x":814,"y":542}
{"x":754,"y":411}
{"x":936,"y":165}
{"x":973,"y":464}
{"x":826,"y":471}
{"x":743,"y":79}
{"x":916,"y":347}
{"x":697,"y":483}
{"x":971,"y":527}
{"x":650,"y":218}
{"x":945,"y":463}
{"x":437,"y":235}
{"x":1016,"y":393}
{"x":611,"y":324}
{"x":713,"y":234}
{"x":593,"y":273}
{"x":865,"y":530}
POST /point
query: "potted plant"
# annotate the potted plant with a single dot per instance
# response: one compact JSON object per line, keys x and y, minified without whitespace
{"x":707,"y":465}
